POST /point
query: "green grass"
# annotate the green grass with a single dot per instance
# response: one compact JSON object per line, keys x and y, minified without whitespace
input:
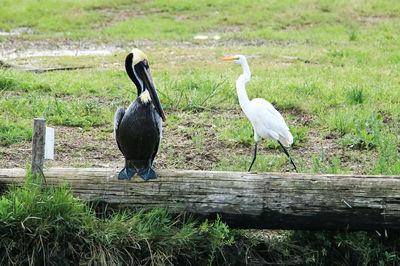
{"x":11,"y":132}
{"x":47,"y":225}
{"x":360,"y":248}
{"x":355,"y":96}
{"x":309,"y":20}
{"x":236,"y":131}
{"x":270,"y":163}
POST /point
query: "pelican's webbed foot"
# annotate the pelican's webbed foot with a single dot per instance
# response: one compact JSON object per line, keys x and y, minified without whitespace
{"x":147,"y":174}
{"x":127,"y":173}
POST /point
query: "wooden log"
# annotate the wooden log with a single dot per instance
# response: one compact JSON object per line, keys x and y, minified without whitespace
{"x":245,"y":200}
{"x":38,"y":145}
{"x":40,"y":70}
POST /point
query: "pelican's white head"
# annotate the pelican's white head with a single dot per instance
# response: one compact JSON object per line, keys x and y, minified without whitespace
{"x":138,"y":56}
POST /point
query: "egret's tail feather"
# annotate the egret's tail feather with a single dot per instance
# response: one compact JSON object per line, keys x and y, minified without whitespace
{"x":286,"y":140}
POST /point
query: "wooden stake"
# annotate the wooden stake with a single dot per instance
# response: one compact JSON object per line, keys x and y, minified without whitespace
{"x":38,"y":142}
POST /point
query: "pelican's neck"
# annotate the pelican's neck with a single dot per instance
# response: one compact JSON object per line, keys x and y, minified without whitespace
{"x":240,"y":88}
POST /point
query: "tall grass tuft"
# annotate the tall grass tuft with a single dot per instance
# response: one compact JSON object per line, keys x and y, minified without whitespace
{"x":11,"y":132}
{"x":196,"y":92}
{"x":36,"y":224}
{"x":367,"y":132}
{"x":361,"y":128}
{"x":355,"y":95}
{"x":44,"y":225}
{"x":388,"y":144}
{"x":337,"y":248}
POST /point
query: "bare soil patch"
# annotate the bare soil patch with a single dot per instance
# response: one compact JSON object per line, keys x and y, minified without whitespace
{"x":369,"y":20}
{"x":26,"y":50}
{"x":115,"y":15}
{"x":16,"y":47}
{"x":180,"y":149}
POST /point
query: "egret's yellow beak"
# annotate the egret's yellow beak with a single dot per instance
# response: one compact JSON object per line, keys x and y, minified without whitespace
{"x":229,"y":58}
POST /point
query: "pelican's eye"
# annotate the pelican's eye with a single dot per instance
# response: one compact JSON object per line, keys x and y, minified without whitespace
{"x":146,"y":64}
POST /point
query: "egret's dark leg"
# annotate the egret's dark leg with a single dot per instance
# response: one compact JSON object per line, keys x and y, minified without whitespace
{"x":254,"y":157}
{"x":288,"y":155}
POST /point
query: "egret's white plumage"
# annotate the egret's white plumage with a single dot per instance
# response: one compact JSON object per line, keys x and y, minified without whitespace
{"x":267,"y":122}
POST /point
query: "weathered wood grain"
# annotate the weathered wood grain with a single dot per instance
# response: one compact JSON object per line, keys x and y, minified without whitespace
{"x":245,"y":200}
{"x":38,"y":144}
{"x":40,"y":70}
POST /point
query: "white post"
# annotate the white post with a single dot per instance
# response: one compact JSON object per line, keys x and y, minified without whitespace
{"x":49,"y":144}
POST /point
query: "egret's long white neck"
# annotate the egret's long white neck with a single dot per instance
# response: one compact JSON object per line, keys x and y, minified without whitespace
{"x":240,"y":88}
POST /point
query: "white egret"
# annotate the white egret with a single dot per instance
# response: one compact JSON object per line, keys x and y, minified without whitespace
{"x":266,"y":120}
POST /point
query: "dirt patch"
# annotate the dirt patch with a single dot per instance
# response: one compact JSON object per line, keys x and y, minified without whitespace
{"x":192,"y":145}
{"x":115,"y":15}
{"x":26,"y":50}
{"x":182,"y":18}
{"x":121,"y":14}
{"x":298,"y":27}
{"x":375,"y":19}
{"x":74,"y":147}
{"x":16,"y":31}
{"x":21,"y":48}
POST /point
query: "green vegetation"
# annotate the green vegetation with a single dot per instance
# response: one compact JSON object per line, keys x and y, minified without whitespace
{"x":46,"y":225}
{"x":313,"y":20}
{"x":331,"y":67}
{"x":332,"y":248}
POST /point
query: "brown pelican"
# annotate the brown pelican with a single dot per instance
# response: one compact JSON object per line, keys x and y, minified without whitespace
{"x":138,"y":129}
{"x":266,"y":120}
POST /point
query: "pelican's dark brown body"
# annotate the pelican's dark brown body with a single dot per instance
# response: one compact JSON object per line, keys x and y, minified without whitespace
{"x":139,"y":133}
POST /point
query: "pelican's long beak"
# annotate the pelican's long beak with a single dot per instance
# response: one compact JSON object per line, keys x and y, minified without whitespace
{"x":148,"y":81}
{"x":229,"y":58}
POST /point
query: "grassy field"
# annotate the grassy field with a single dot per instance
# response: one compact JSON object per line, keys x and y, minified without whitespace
{"x":332,"y":68}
